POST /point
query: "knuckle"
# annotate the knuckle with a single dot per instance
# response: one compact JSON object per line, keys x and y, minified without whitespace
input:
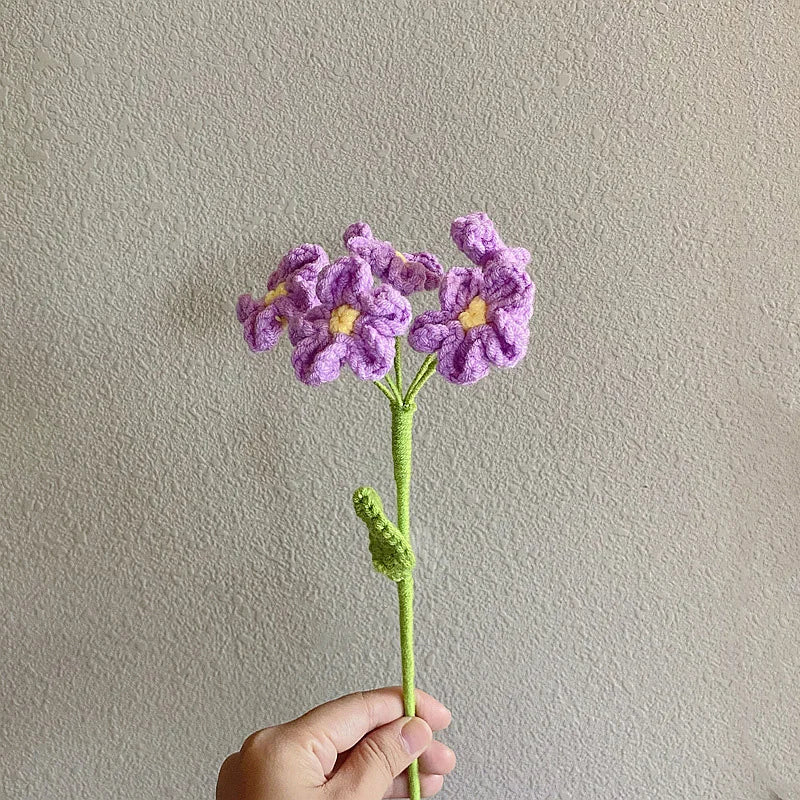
{"x":228,"y":774}
{"x":309,"y":740}
{"x":259,"y":742}
{"x":376,"y":757}
{"x":365,"y":701}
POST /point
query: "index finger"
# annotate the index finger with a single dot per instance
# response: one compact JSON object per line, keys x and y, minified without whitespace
{"x":345,"y":721}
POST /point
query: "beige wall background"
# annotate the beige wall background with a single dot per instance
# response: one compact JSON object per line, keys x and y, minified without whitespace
{"x":608,"y":587}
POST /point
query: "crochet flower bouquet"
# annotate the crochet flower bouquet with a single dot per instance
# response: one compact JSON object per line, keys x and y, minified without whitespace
{"x":336,"y":313}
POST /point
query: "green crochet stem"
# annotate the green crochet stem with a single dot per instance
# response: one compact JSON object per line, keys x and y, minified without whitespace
{"x":389,"y":544}
{"x":402,"y":421}
{"x":405,"y":596}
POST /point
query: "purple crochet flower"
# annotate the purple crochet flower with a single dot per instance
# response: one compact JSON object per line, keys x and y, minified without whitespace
{"x":354,"y":323}
{"x":483,"y":320}
{"x":407,"y":272}
{"x":476,"y":237}
{"x":291,"y":292}
{"x":357,"y":229}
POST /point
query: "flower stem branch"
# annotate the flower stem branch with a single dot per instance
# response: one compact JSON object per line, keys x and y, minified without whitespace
{"x":425,"y":372}
{"x":391,"y":395}
{"x":398,"y":367}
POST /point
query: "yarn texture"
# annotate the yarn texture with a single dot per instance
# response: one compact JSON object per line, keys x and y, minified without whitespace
{"x":291,"y":291}
{"x":485,"y":310}
{"x":367,"y":343}
{"x":407,"y":272}
{"x":391,"y":552}
{"x":336,"y":314}
{"x":390,"y":545}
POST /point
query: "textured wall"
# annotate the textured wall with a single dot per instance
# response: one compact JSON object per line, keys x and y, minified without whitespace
{"x":607,"y":535}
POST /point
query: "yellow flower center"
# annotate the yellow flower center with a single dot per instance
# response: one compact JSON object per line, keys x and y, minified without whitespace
{"x":342,"y":319}
{"x":401,"y":256}
{"x":474,"y":314}
{"x":278,"y":291}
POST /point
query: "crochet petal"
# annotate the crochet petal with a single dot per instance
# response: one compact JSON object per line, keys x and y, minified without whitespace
{"x":318,"y":358}
{"x":262,"y":329}
{"x":246,"y":306}
{"x":343,"y":282}
{"x":463,"y":360}
{"x":376,"y":253}
{"x":459,"y":286}
{"x":511,"y":256}
{"x":508,"y":286}
{"x":475,"y":236}
{"x":505,"y":341}
{"x":303,"y":262}
{"x":360,"y":229}
{"x":430,"y":329}
{"x":408,"y":273}
{"x":415,"y":272}
{"x":310,"y":324}
{"x":301,"y":295}
{"x":433,"y":269}
{"x":370,"y":355}
{"x":385,"y":310}
{"x":405,"y":276}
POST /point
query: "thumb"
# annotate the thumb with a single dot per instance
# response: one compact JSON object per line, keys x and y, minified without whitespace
{"x":379,"y":758}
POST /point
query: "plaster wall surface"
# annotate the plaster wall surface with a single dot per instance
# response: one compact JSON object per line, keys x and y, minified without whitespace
{"x":608,"y":589}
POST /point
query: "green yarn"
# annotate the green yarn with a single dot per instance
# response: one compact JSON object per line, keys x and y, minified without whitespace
{"x":389,"y":544}
{"x":398,"y":366}
{"x":405,"y":596}
{"x":391,"y":553}
{"x":388,"y":392}
{"x":425,"y":371}
{"x":402,"y":419}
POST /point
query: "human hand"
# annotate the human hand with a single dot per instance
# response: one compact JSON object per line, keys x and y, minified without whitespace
{"x":353,"y":747}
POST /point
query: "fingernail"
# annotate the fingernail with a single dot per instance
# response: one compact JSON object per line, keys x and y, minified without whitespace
{"x":415,"y":735}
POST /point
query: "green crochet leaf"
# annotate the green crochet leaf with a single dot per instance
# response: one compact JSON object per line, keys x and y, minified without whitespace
{"x":391,"y":553}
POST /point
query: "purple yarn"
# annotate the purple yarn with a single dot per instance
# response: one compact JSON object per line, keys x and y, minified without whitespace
{"x":475,"y":236}
{"x":465,"y":354}
{"x":357,"y":229}
{"x":407,"y":272}
{"x":335,"y":315}
{"x":263,"y":322}
{"x":380,"y":312}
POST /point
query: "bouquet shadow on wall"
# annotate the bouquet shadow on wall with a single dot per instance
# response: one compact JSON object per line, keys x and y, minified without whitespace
{"x":264,"y":445}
